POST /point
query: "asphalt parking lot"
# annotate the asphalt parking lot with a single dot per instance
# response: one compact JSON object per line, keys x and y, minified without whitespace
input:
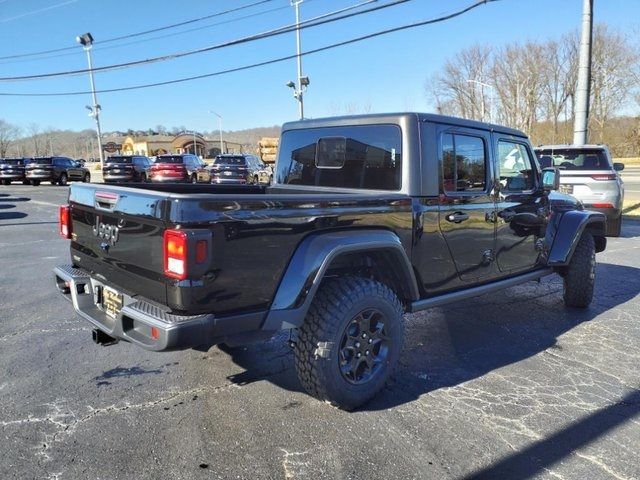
{"x":511,"y":385}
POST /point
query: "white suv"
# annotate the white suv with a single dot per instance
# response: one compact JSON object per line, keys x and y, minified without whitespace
{"x":587,"y":173}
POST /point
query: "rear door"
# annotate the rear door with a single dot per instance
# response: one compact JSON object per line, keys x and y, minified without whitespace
{"x":517,"y":206}
{"x":75,"y":172}
{"x":467,"y":203}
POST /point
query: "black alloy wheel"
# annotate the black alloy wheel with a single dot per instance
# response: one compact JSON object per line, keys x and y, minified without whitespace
{"x":364,"y":347}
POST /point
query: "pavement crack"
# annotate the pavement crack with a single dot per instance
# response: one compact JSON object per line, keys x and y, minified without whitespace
{"x":596,"y":461}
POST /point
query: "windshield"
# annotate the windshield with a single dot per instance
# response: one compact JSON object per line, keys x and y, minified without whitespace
{"x":122,"y":159}
{"x":229,"y":161}
{"x":574,"y":159}
{"x":169,"y":159}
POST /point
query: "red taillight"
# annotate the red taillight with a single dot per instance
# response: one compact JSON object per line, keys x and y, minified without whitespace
{"x":65,"y":221}
{"x":605,"y":176}
{"x":175,"y":254}
{"x":602,"y":205}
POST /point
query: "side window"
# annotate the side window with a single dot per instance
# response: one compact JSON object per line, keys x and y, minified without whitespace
{"x":57,"y":162}
{"x":464,"y":163}
{"x":514,"y":164}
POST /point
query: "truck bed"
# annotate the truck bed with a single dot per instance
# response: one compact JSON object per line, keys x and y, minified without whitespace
{"x":254,"y":230}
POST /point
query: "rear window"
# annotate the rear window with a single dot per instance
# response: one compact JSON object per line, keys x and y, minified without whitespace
{"x":43,"y":161}
{"x":170,"y":159}
{"x":230,"y":161}
{"x":11,"y":161}
{"x":366,"y":157}
{"x":574,"y":159}
{"x":123,"y":159}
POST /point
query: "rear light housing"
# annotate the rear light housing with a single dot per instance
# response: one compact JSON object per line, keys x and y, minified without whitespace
{"x":602,"y":205}
{"x":175,"y":254}
{"x":605,"y":176}
{"x":64,"y":221}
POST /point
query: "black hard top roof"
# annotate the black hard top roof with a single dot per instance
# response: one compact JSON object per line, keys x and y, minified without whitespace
{"x":398,"y":118}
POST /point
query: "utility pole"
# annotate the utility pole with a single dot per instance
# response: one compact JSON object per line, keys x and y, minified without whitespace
{"x":583,"y":91}
{"x":303,"y":82}
{"x":86,"y":41}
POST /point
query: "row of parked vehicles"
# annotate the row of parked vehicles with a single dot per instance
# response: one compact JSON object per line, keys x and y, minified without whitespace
{"x":57,"y":170}
{"x":236,"y":169}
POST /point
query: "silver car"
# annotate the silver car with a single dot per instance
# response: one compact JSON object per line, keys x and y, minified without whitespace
{"x":588,"y":173}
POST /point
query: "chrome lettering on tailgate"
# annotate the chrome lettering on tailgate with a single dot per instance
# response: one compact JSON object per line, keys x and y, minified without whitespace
{"x":109,"y":233}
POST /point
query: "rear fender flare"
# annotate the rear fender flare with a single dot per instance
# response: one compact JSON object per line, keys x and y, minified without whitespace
{"x":310,"y":262}
{"x":565,"y":230}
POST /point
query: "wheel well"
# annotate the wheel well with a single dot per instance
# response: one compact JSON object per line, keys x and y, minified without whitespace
{"x":597,"y":230}
{"x":384,"y":266}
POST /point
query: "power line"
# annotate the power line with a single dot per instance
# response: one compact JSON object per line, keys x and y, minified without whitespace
{"x":268,"y":62}
{"x":157,"y":37}
{"x":313,"y":22}
{"x":136,"y":34}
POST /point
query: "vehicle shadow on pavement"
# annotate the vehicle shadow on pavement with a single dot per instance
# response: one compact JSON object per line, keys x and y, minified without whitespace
{"x":447,"y":346}
{"x":531,"y":461}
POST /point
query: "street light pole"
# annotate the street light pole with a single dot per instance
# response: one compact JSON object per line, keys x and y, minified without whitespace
{"x":86,"y":41}
{"x":222,"y":149}
{"x":296,"y":5}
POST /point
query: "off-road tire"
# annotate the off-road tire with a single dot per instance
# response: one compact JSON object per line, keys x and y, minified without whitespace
{"x":6,"y":182}
{"x":579,"y":277}
{"x":86,"y":178}
{"x":62,"y":181}
{"x":35,"y":183}
{"x":614,"y":226}
{"x":317,"y":349}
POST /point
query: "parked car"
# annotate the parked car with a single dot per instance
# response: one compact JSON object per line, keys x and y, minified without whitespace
{"x":236,"y":169}
{"x":589,"y":174}
{"x":265,"y":175}
{"x":58,"y":170}
{"x":384,"y":225}
{"x":126,"y":168}
{"x":179,"y":168}
{"x":13,"y":170}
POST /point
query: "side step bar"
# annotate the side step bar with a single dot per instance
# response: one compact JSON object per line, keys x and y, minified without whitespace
{"x":480,"y":290}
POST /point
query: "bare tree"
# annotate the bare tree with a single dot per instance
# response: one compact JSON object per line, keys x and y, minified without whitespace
{"x":451,"y":89}
{"x":8,"y":134}
{"x":34,"y":133}
{"x":612,"y":79}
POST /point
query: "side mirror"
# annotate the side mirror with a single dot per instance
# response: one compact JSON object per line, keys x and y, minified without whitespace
{"x":550,"y":179}
{"x":618,"y":167}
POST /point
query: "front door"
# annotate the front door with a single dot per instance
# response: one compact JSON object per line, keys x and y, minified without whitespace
{"x":518,"y":203}
{"x":467,"y":205}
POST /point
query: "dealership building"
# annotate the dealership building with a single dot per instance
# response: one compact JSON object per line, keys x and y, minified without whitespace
{"x":185,"y":142}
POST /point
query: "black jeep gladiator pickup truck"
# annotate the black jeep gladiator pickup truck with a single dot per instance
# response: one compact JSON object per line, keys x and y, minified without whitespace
{"x":369,"y":217}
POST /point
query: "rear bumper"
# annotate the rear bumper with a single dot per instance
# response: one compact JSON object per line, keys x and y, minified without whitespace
{"x":162,"y":179}
{"x":611,"y":213}
{"x":145,"y":324}
{"x":117,"y":178}
{"x":228,"y":181}
{"x":39,"y":176}
{"x":11,"y":176}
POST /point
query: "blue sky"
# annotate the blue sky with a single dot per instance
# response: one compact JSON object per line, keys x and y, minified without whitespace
{"x":387,"y":73}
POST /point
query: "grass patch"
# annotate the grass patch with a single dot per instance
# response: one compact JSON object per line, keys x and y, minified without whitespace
{"x":631,"y":209}
{"x":629,"y":162}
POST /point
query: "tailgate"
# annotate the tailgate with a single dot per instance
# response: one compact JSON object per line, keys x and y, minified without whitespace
{"x":117,"y":235}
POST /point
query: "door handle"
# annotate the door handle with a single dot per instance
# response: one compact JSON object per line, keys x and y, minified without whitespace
{"x":457,"y":217}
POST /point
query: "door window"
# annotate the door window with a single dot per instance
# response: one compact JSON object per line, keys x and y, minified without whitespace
{"x":464,"y":163}
{"x":514,"y":165}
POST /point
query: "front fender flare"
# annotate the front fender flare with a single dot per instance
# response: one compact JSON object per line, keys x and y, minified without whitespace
{"x":565,"y":230}
{"x":310,"y":261}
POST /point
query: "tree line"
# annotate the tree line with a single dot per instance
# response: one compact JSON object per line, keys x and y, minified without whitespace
{"x":531,"y":86}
